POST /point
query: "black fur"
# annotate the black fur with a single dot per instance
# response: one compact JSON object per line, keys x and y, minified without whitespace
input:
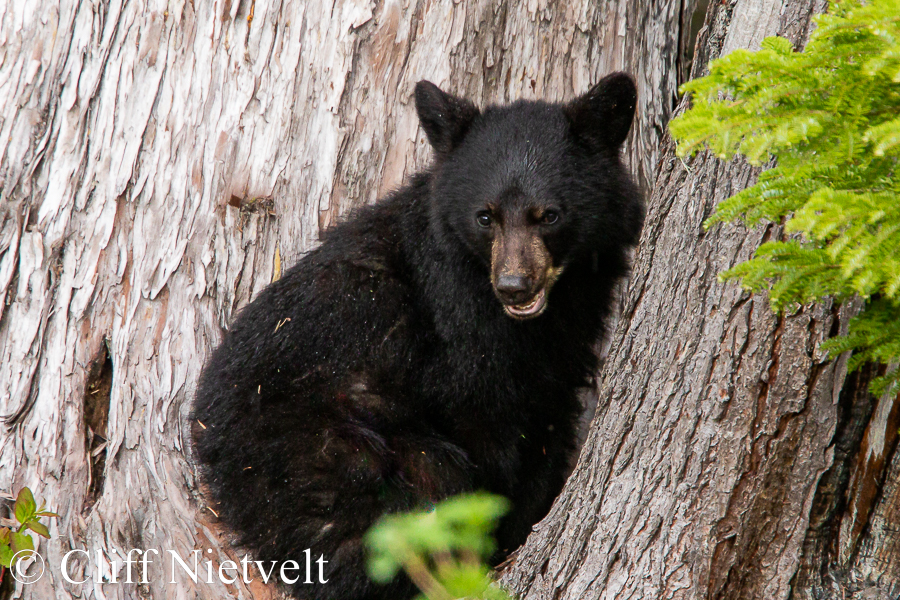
{"x":381,"y":372}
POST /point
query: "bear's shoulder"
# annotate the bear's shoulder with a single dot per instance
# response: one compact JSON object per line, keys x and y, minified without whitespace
{"x":336,"y":307}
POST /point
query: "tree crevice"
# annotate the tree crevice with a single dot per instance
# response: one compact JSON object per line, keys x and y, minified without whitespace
{"x":97,"y":396}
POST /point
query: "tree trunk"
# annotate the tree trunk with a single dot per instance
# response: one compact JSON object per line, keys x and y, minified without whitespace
{"x":161,"y":162}
{"x":727,"y":459}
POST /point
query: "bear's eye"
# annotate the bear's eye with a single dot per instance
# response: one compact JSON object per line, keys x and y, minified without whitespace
{"x":484,"y":218}
{"x":549,"y":217}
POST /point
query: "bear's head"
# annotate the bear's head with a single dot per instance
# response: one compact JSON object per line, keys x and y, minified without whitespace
{"x":532,"y":188}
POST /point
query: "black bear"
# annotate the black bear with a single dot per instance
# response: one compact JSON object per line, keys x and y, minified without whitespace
{"x":434,"y":343}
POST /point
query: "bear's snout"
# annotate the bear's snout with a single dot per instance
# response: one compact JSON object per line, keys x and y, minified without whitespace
{"x":514,"y":289}
{"x":521,"y":271}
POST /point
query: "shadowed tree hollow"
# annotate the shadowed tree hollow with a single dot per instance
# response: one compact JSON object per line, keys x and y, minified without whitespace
{"x":161,"y":162}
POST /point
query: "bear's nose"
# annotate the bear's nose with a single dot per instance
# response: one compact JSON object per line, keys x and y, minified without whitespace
{"x":514,"y":289}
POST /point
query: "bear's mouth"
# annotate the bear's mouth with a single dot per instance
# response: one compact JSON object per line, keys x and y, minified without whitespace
{"x":530,"y":309}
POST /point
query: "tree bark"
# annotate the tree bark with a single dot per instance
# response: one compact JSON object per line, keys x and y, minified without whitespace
{"x":726,"y":460}
{"x":161,"y":162}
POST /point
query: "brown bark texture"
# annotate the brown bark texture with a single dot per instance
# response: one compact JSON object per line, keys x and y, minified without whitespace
{"x":726,"y":459}
{"x":162,"y":161}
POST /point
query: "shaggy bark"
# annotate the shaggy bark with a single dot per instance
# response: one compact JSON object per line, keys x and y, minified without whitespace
{"x":161,"y":162}
{"x":726,"y":459}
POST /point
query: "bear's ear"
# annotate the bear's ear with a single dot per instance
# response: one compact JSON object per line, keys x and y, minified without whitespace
{"x":444,"y":118}
{"x":602,"y":117}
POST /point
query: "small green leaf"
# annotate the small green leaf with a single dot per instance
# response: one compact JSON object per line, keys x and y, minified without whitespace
{"x":25,"y":505}
{"x":46,"y":513}
{"x":383,"y":568}
{"x":22,"y":541}
{"x":39,"y":528}
{"x":6,"y":555}
{"x":4,"y":535}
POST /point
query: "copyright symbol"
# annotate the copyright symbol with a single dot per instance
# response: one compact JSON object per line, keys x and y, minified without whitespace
{"x":18,"y":573}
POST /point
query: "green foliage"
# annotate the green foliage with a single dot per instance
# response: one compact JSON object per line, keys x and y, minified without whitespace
{"x":442,"y":550}
{"x":830,"y":116}
{"x":28,"y":515}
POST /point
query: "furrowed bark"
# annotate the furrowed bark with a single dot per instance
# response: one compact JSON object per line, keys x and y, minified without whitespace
{"x":161,"y":162}
{"x":852,"y":547}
